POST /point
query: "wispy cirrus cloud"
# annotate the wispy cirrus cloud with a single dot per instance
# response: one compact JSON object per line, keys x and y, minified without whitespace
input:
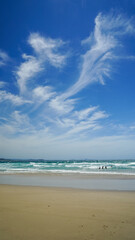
{"x":18,"y":123}
{"x":43,"y":93}
{"x":14,"y":99}
{"x":47,"y":51}
{"x":4,"y":58}
{"x":81,"y":121}
{"x":62,"y":106}
{"x":2,"y":84}
{"x":27,"y":70}
{"x":83,"y":114}
{"x":102,"y":48}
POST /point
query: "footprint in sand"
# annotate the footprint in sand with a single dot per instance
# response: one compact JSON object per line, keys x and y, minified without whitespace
{"x":93,"y":215}
{"x":112,"y":233}
{"x":105,"y":227}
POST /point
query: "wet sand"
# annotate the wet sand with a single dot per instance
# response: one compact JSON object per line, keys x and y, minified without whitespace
{"x":65,"y":214}
{"x":76,"y":181}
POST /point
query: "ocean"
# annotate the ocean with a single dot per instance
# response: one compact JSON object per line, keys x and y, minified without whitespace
{"x":110,"y":167}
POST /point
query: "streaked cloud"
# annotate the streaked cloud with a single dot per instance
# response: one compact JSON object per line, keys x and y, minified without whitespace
{"x":26,"y":71}
{"x":2,"y":84}
{"x":82,"y":121}
{"x":14,"y":99}
{"x":18,"y":123}
{"x":83,"y":114}
{"x":62,"y":106}
{"x":102,"y":48}
{"x":47,"y":51}
{"x":4,"y":58}
{"x":41,"y":94}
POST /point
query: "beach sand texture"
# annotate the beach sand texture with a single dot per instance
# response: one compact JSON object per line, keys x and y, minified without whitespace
{"x":65,"y":214}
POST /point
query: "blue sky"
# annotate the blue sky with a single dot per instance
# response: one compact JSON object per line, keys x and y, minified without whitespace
{"x":67,"y":79}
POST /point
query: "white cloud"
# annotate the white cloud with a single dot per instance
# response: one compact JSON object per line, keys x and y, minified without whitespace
{"x":89,"y":122}
{"x":98,"y":115}
{"x":48,"y":49}
{"x":26,"y":71}
{"x":65,"y":123}
{"x":2,"y":84}
{"x":102,"y":46}
{"x":17,"y":123}
{"x":19,"y":118}
{"x":16,"y":100}
{"x":81,"y":126}
{"x":4,"y":58}
{"x":84,"y":121}
{"x":41,"y":94}
{"x":83,"y":114}
{"x":62,"y":106}
{"x":96,"y":62}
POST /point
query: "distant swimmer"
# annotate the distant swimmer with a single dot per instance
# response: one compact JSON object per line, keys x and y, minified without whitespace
{"x":103,"y":167}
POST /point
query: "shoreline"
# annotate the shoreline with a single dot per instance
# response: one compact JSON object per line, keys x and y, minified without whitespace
{"x":74,"y":174}
{"x":75,"y":181}
{"x":29,"y":212}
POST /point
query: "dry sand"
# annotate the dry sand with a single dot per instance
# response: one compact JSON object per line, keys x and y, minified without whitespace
{"x":65,"y":214}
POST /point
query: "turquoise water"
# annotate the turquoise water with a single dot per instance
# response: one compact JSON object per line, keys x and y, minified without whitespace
{"x":123,"y":167}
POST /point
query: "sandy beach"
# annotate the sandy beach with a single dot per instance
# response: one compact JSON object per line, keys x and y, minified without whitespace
{"x":28,"y":212}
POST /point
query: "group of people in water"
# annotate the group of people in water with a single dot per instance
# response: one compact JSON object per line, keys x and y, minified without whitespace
{"x":103,"y":167}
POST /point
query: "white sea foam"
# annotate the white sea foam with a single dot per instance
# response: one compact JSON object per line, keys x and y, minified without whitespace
{"x":86,"y":167}
{"x":14,"y":171}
